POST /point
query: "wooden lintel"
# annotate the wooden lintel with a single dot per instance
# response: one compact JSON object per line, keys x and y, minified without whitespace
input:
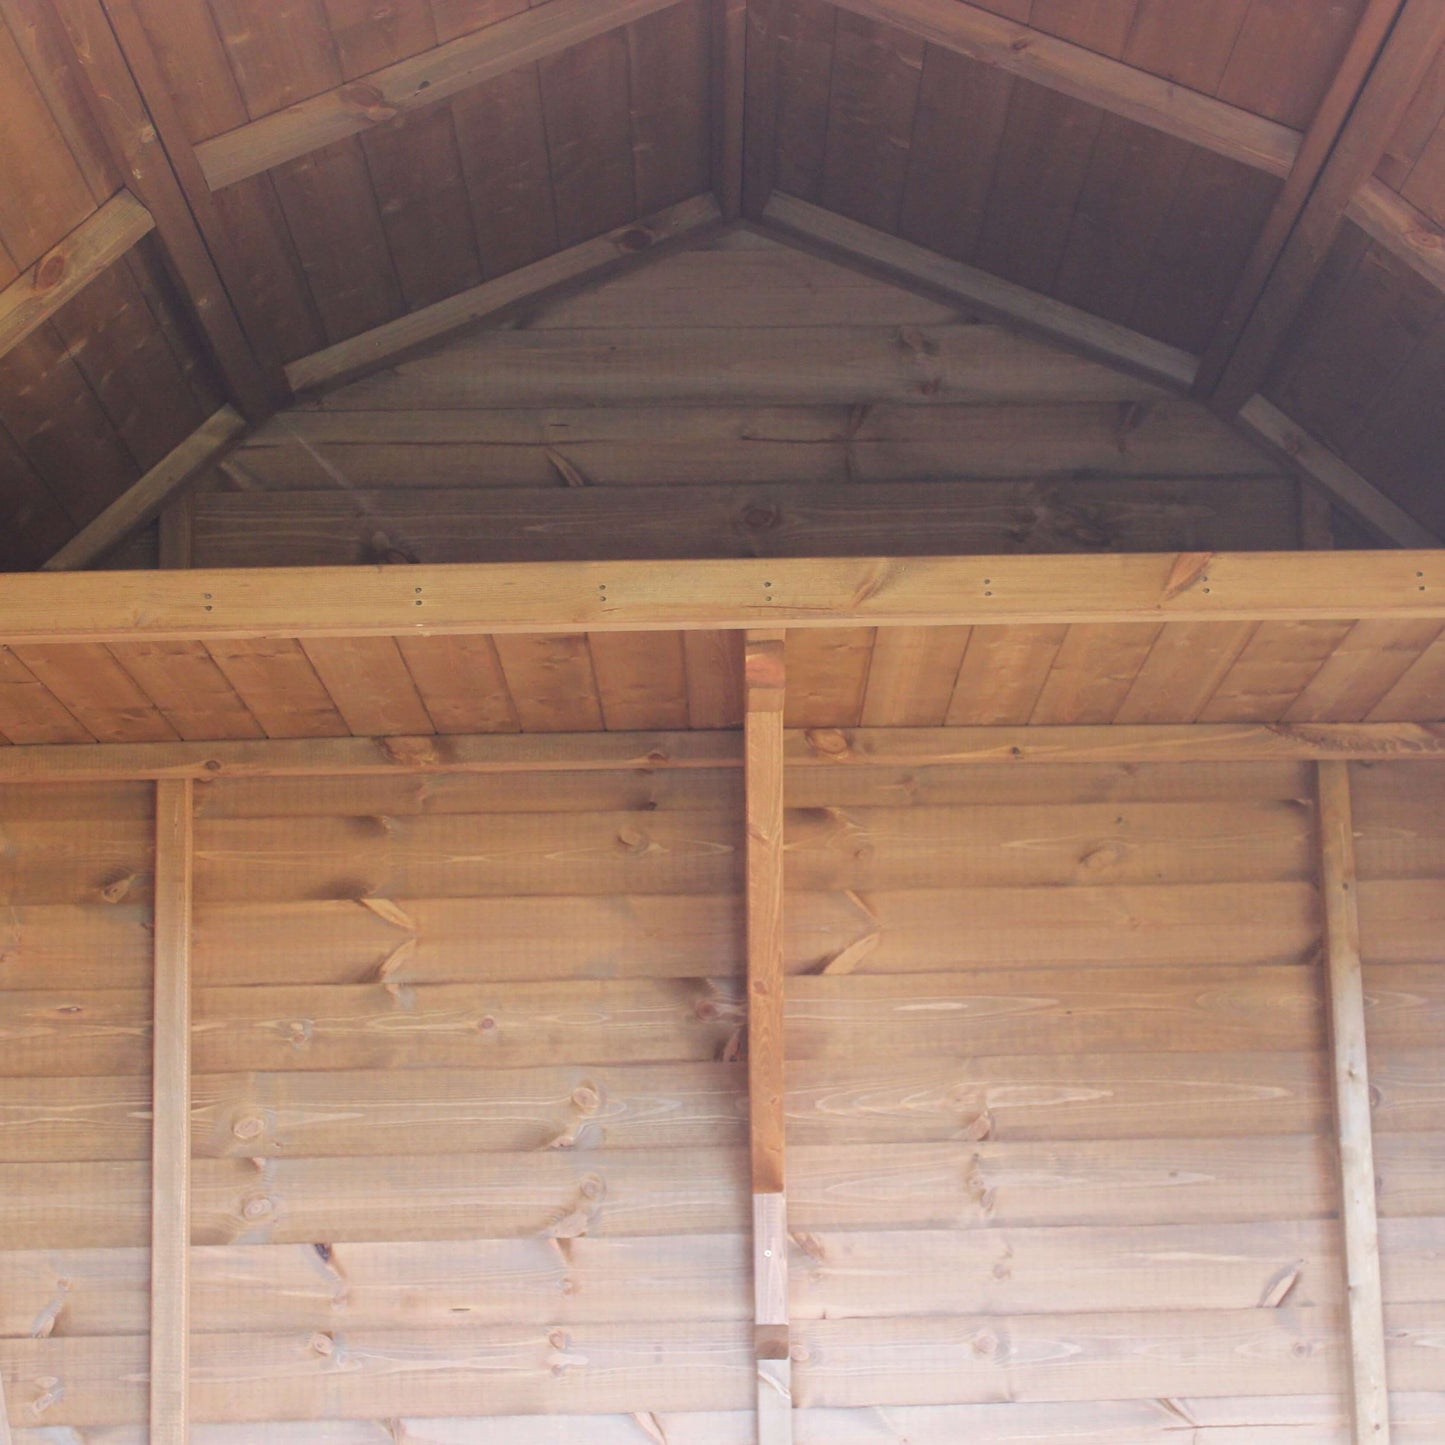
{"x":171,"y":1119}
{"x":1350,"y":1072}
{"x":1089,"y":76}
{"x":735,"y":593}
{"x":1268,"y":425}
{"x":813,"y":747}
{"x":410,"y":84}
{"x":139,"y":503}
{"x":728,"y":77}
{"x":764,"y":679}
{"x":588,"y":261}
{"x":1411,"y":48}
{"x":1319,"y":142}
{"x":65,"y":270}
{"x":901,"y":262}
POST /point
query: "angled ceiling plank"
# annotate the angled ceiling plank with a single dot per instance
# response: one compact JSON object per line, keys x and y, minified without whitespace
{"x":585,"y":262}
{"x":420,"y":80}
{"x":1265,"y":423}
{"x":144,"y":135}
{"x":1088,"y":76}
{"x":1388,"y":219}
{"x":66,"y":269}
{"x":1408,"y":53}
{"x":139,"y":503}
{"x":795,"y":221}
{"x":511,"y":597}
{"x":1319,"y":143}
{"x":729,"y":78}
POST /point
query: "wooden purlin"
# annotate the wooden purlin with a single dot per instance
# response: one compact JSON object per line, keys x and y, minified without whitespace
{"x":765,"y":682}
{"x":1351,"y":1076}
{"x":171,"y":1118}
{"x":66,"y":269}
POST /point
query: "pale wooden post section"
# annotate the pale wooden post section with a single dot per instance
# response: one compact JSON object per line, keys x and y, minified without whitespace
{"x":1371,"y":1391}
{"x":171,"y":1129}
{"x":4,"y":1416}
{"x":763,"y":785}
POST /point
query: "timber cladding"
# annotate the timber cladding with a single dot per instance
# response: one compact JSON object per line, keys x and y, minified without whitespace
{"x":469,"y":1123}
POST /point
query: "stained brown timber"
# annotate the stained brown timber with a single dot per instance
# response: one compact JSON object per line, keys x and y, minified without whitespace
{"x":421,"y":80}
{"x":1370,"y":1387}
{"x":171,"y":1113}
{"x":765,"y":678}
{"x":546,"y":597}
{"x":819,"y":747}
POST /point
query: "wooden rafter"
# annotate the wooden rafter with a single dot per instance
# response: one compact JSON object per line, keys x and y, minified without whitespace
{"x":1266,"y":424}
{"x":764,"y":682}
{"x":148,"y":147}
{"x":411,"y":84}
{"x":501,"y":754}
{"x":1088,"y":76}
{"x":900,"y":261}
{"x":1235,"y":373}
{"x":66,"y":269}
{"x":1370,"y":1394}
{"x":139,"y":503}
{"x":579,"y":264}
{"x":1319,"y":143}
{"x":171,"y":1119}
{"x":464,"y":598}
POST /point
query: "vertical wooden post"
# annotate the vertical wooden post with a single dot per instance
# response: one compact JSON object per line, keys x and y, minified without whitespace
{"x":171,"y":1127}
{"x":765,"y":677}
{"x":1349,"y":1068}
{"x":4,"y":1415}
{"x":730,"y":19}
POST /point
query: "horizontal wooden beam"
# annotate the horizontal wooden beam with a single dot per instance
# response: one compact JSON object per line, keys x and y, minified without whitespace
{"x":921,"y":269}
{"x":1267,"y":424}
{"x":585,"y":262}
{"x":410,"y":84}
{"x":1389,"y":220}
{"x":65,"y":270}
{"x":139,"y":503}
{"x":547,"y":597}
{"x":1088,"y":76}
{"x":805,"y":748}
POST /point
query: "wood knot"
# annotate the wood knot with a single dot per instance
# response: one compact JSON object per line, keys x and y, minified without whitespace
{"x":322,"y":1344}
{"x":258,"y":1206}
{"x":50,"y":271}
{"x":586,"y":1098}
{"x":116,"y":890}
{"x":636,"y":238}
{"x":369,"y":101}
{"x":827,"y":742}
{"x":248,"y":1126}
{"x":759,"y":518}
{"x":634,"y":840}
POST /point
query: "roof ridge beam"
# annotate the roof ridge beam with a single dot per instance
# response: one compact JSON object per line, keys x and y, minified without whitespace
{"x":1233,"y":377}
{"x":1096,"y":79}
{"x":412,"y":84}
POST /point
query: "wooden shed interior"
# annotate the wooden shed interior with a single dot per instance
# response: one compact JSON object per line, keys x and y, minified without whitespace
{"x":722,"y":722}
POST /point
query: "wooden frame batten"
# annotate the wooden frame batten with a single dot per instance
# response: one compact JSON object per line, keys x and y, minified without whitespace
{"x":171,"y":1116}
